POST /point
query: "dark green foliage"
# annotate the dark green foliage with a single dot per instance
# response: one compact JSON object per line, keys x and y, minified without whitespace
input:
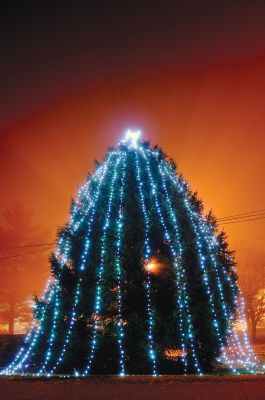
{"x":164,"y":291}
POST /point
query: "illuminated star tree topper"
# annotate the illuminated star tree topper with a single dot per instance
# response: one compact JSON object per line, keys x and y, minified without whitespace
{"x":131,"y":138}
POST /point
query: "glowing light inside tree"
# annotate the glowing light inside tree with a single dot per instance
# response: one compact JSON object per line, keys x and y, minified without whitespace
{"x":153,"y":266}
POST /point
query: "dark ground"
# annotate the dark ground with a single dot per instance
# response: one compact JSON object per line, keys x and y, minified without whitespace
{"x":135,"y":388}
{"x":131,"y":388}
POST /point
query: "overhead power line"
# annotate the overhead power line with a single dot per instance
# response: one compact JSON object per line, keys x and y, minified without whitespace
{"x":23,"y":254}
{"x":26,"y":246}
{"x":242,"y":215}
{"x":241,"y":220}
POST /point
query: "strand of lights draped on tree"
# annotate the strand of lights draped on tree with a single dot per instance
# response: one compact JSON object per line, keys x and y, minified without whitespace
{"x":108,"y":308}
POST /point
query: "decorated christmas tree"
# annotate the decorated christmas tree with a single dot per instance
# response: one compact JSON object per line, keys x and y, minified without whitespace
{"x":141,"y":280}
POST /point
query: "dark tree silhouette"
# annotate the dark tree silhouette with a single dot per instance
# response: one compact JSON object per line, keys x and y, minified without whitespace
{"x":22,"y":268}
{"x":255,"y":309}
{"x":253,"y":286}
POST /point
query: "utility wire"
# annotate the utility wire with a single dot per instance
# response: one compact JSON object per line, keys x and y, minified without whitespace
{"x":243,"y":217}
{"x":27,"y":245}
{"x":23,"y":254}
{"x":262,"y":210}
{"x":241,"y":220}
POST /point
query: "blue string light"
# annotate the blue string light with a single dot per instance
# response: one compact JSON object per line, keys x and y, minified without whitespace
{"x":147,"y":254}
{"x":100,"y":272}
{"x":82,"y":267}
{"x":202,"y":264}
{"x":199,"y":232}
{"x":183,"y":300}
{"x":62,"y":254}
{"x":117,"y":262}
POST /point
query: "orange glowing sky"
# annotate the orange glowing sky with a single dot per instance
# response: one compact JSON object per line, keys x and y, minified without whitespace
{"x":192,"y":79}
